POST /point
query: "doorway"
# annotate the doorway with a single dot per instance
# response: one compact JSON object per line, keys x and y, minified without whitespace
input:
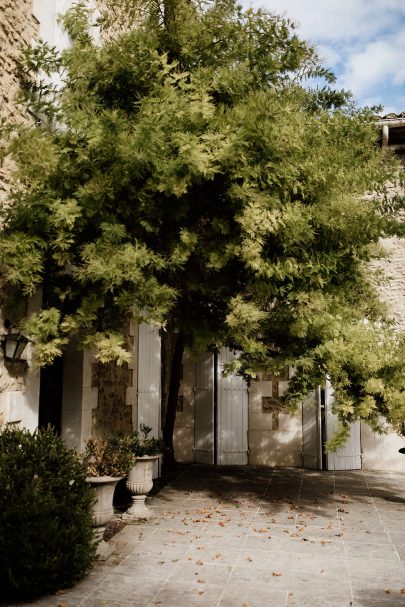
{"x":320,"y":424}
{"x":50,"y":396}
{"x":220,"y":412}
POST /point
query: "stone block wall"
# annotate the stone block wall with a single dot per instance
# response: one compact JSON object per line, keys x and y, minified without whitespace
{"x":275,"y":436}
{"x":18,"y":27}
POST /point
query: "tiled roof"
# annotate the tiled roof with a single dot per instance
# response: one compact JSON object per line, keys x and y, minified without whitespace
{"x":392,"y":116}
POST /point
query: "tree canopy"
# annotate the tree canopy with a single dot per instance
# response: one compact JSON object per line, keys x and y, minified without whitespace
{"x":184,"y":171}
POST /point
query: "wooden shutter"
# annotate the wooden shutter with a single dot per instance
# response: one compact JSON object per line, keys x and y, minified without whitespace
{"x":311,"y":431}
{"x":232,"y":415}
{"x":204,"y":410}
{"x":149,"y":385}
{"x":349,"y":457}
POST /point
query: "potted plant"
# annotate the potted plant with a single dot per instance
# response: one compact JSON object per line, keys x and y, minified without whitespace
{"x":106,"y":461}
{"x":140,"y":478}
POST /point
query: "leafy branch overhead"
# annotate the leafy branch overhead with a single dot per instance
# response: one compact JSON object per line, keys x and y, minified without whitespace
{"x":185,"y":172}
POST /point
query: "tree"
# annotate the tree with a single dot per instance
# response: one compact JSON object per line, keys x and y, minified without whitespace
{"x":183,"y":174}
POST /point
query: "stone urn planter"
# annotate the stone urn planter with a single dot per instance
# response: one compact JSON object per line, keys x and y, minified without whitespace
{"x":107,"y":461}
{"x":139,"y":483}
{"x":103,"y":511}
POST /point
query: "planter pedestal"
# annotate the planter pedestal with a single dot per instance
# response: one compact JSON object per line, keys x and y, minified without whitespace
{"x":139,"y":483}
{"x":103,"y":511}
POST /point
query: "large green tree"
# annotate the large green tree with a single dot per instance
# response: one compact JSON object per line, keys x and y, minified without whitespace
{"x":184,"y":172}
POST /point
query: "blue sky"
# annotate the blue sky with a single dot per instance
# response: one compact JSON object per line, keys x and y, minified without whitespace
{"x":362,"y":41}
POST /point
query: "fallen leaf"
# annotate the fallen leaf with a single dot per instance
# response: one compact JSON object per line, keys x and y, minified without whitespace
{"x":276,"y":574}
{"x":199,"y":563}
{"x":201,"y":580}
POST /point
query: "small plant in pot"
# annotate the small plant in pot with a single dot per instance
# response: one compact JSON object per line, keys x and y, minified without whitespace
{"x":107,"y":461}
{"x":140,"y":478}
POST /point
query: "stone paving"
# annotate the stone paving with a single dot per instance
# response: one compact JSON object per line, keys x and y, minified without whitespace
{"x":258,"y":537}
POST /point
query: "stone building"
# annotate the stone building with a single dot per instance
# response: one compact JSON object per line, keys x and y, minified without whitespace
{"x":219,"y":420}
{"x":223,"y":421}
{"x":78,"y":396}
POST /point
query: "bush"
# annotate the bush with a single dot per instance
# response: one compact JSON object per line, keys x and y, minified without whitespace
{"x":141,"y":445}
{"x":107,"y":457}
{"x":46,"y":535}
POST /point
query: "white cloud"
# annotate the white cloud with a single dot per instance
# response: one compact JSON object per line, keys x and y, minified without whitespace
{"x":363,"y":41}
{"x":338,"y":20}
{"x":375,"y":66}
{"x":328,"y":55}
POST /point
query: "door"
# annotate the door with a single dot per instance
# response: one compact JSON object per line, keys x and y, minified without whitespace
{"x":312,"y":431}
{"x":349,"y":457}
{"x":149,"y":387}
{"x":50,"y":395}
{"x":204,"y":410}
{"x":232,"y":415}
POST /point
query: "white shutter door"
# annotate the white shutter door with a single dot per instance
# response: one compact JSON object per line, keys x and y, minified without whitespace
{"x":149,"y":387}
{"x":204,"y":410}
{"x":311,"y":432}
{"x":349,"y":457}
{"x":232,"y":415}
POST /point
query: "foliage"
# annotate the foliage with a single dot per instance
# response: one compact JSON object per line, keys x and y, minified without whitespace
{"x":139,"y":444}
{"x":109,"y":457}
{"x":46,"y":536}
{"x":183,"y":174}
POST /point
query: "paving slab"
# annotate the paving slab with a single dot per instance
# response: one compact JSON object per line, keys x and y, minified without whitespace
{"x":257,"y":537}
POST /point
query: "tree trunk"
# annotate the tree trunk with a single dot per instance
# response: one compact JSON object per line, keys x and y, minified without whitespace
{"x":173,"y":394}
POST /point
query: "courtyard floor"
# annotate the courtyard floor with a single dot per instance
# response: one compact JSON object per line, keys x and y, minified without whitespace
{"x":258,"y":537}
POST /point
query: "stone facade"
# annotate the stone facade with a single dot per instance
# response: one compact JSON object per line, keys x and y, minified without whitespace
{"x":100,"y":399}
{"x":274,"y":435}
{"x":96,"y":399}
{"x":18,"y":27}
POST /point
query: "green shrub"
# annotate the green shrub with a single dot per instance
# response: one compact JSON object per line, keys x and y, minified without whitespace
{"x":46,"y":535}
{"x":141,"y":445}
{"x":107,"y":457}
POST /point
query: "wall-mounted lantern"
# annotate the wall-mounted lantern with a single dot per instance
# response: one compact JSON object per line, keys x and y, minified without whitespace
{"x":14,"y":345}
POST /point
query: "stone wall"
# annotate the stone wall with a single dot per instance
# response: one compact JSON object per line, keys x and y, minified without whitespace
{"x":380,"y":452}
{"x":275,"y":436}
{"x":393,"y":268}
{"x":18,"y":27}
